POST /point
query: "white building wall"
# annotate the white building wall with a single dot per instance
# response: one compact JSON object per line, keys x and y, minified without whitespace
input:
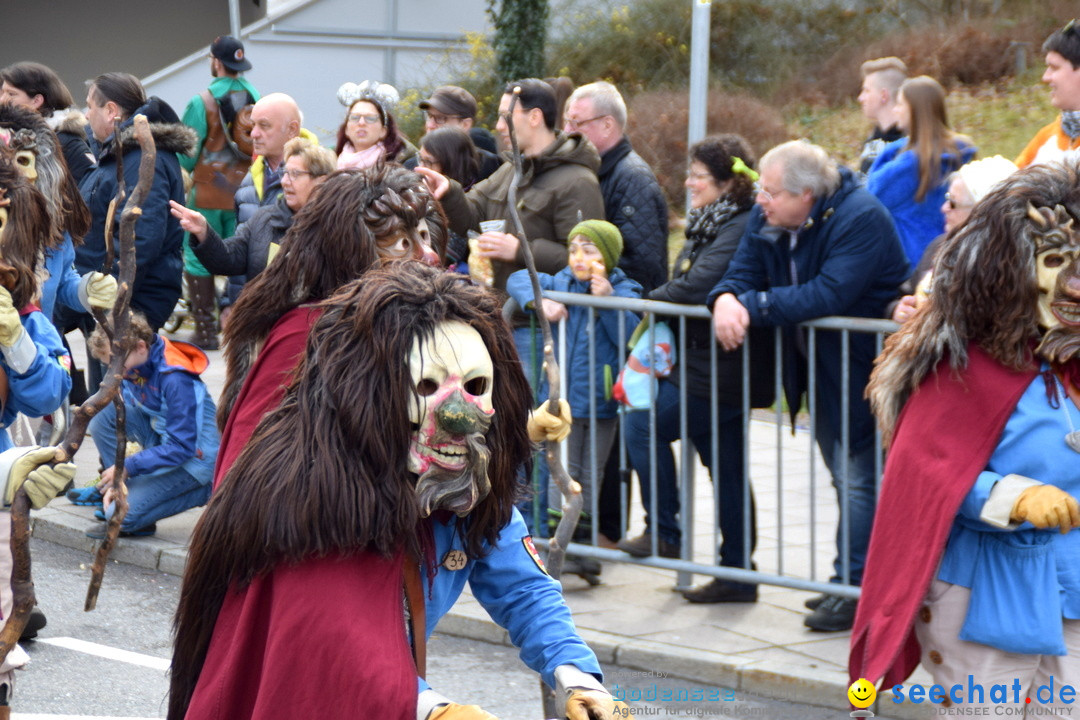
{"x":309,"y":48}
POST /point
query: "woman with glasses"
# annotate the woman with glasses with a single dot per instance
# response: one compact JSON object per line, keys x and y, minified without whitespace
{"x":369,"y":133}
{"x":245,"y":255}
{"x":721,"y":185}
{"x":910,"y":176}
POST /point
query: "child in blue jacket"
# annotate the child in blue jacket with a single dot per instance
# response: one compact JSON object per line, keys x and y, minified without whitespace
{"x":595,"y":248}
{"x":170,"y":414}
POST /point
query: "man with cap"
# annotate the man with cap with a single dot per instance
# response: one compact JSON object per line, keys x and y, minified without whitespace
{"x":455,"y":106}
{"x":217,"y":165}
{"x":1060,"y":138}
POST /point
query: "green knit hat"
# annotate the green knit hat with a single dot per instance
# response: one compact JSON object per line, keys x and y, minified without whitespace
{"x":605,"y":236}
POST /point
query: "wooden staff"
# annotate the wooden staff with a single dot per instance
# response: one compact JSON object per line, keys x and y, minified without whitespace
{"x":570,"y":489}
{"x":121,"y":321}
{"x":22,"y":584}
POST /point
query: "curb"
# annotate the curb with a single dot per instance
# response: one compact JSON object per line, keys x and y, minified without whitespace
{"x":765,"y":678}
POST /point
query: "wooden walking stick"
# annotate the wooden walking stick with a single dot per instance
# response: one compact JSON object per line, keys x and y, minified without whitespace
{"x":22,"y":584}
{"x":569,"y":488}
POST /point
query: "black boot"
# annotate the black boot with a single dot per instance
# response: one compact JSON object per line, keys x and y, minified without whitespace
{"x":203,"y":303}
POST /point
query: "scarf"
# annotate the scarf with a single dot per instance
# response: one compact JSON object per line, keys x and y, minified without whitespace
{"x":352,"y":159}
{"x":1070,"y":123}
{"x":703,"y":223}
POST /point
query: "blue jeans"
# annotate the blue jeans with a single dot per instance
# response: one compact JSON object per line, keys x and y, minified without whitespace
{"x":154,"y":496}
{"x":861,"y":489}
{"x":730,"y":490}
{"x":530,"y":345}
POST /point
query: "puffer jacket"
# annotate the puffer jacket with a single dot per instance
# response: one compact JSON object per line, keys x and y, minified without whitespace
{"x":700,"y":265}
{"x":158,"y":237}
{"x":558,"y":188}
{"x":70,"y":128}
{"x":245,"y":254}
{"x":607,"y":358}
{"x":634,"y":203}
{"x":168,"y":389}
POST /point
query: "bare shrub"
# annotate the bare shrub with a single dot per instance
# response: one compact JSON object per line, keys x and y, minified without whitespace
{"x":657,"y":128}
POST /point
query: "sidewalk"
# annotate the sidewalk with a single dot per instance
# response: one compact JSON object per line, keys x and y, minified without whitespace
{"x":634,"y":618}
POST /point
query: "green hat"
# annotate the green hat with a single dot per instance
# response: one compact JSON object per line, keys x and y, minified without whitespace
{"x":605,"y":236}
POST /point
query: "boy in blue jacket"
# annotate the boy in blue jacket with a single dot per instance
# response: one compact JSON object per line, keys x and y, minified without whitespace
{"x":170,"y":414}
{"x":595,"y":248}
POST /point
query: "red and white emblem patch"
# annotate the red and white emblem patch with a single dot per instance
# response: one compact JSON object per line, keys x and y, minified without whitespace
{"x":530,"y":548}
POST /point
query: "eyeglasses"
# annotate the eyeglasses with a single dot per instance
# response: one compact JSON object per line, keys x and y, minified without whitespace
{"x":440,"y":119}
{"x":953,"y":205}
{"x":768,"y":195}
{"x":699,"y":175}
{"x":297,"y":174}
{"x":356,"y":118}
{"x":578,"y":124}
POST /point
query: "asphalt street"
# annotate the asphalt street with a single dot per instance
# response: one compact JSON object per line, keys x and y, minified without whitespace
{"x":111,"y":663}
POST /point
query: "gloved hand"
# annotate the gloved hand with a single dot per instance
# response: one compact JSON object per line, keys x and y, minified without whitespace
{"x":101,"y":290}
{"x":545,"y":426}
{"x":10,"y":326}
{"x":585,"y":704}
{"x":1047,"y":506}
{"x":453,"y":711}
{"x":43,"y":482}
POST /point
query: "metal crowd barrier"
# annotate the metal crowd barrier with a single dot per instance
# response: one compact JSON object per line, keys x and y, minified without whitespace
{"x":809,"y":575}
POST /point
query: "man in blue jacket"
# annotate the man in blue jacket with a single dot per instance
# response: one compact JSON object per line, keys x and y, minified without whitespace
{"x":819,"y":244}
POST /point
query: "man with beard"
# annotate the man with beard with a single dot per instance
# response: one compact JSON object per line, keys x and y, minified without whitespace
{"x":318,"y":569}
{"x":980,"y":393}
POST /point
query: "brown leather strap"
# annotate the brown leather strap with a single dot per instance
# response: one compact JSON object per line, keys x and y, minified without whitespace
{"x":215,"y":134}
{"x":414,"y":596}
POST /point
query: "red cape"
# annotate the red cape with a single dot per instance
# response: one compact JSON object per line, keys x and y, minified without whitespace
{"x":321,"y":639}
{"x":265,"y":384}
{"x":944,"y":437}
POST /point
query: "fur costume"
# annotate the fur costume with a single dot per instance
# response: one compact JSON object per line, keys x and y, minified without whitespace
{"x":345,"y":227}
{"x":946,"y":391}
{"x":263,"y":613}
{"x":66,"y":206}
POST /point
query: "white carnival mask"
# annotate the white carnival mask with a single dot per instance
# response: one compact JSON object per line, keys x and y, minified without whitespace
{"x":453,"y":379}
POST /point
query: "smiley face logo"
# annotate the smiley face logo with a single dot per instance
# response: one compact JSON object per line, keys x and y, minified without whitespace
{"x":862,"y":693}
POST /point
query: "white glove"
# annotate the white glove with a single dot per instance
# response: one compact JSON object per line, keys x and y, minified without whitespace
{"x":11,"y":328}
{"x":42,"y":481}
{"x":101,"y":290}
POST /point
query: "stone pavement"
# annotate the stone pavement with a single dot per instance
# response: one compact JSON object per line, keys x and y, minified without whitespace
{"x":634,"y":618}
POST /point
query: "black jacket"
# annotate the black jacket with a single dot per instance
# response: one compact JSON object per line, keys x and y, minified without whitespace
{"x":246,"y":253}
{"x":700,"y":265}
{"x":158,"y":237}
{"x":634,"y":202}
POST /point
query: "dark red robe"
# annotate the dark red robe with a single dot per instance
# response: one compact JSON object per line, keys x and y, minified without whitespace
{"x":944,"y":437}
{"x":321,"y":639}
{"x":324,"y":638}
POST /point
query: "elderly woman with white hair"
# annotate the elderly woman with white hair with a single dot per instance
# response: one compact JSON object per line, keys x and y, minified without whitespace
{"x":967,"y":186}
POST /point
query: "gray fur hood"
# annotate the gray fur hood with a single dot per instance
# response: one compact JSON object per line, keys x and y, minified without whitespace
{"x":68,"y":120}
{"x":168,"y":137}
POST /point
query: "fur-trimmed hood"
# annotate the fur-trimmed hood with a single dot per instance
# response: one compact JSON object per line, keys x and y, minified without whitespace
{"x":168,"y":132}
{"x":68,"y":120}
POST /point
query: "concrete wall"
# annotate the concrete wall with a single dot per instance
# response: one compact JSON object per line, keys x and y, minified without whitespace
{"x":309,"y":48}
{"x":80,"y":39}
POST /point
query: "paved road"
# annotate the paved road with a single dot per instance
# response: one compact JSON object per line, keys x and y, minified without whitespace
{"x":111,"y":663}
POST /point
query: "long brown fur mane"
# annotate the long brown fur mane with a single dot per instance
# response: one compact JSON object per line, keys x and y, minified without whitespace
{"x":984,"y":290}
{"x":20,"y":238}
{"x":334,"y":239}
{"x":327,"y":470}
{"x":65,"y":204}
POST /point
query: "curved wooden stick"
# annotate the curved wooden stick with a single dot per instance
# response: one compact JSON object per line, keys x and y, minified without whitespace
{"x":121,"y":322}
{"x":570,"y":489}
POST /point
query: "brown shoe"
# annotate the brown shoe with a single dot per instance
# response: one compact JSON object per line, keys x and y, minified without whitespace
{"x":641,"y":546}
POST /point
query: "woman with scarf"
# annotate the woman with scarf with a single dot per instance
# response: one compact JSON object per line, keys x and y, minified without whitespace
{"x":369,"y":133}
{"x":720,"y":180}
